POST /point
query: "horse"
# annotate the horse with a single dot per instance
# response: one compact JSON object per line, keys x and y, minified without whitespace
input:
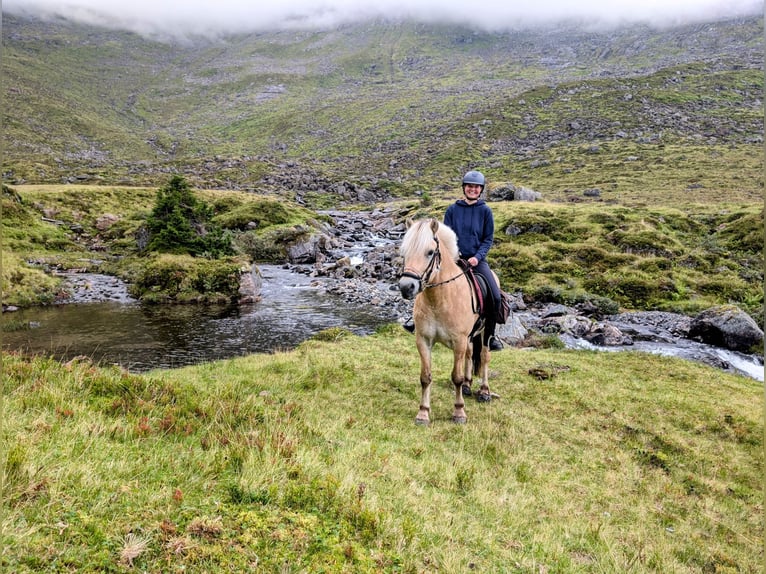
{"x":446,"y":311}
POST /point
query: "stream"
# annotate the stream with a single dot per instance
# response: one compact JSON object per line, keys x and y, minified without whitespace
{"x":102,"y":321}
{"x":119,"y":330}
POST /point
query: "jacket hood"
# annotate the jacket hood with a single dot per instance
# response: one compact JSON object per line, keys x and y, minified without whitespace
{"x":466,"y":204}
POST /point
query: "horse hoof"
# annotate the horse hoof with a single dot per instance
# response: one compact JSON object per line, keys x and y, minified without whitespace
{"x":466,"y":390}
{"x":484,"y":397}
{"x":459,"y":420}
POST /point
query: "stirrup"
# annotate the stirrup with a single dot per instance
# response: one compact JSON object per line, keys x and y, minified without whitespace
{"x":409,"y":326}
{"x":495,"y":344}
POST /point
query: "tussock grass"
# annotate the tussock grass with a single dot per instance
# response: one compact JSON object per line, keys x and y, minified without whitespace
{"x":682,"y":258}
{"x":97,"y":228}
{"x":310,"y":461}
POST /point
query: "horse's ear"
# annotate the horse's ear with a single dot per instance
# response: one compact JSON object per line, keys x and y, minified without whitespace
{"x":434,"y":225}
{"x":408,"y":223}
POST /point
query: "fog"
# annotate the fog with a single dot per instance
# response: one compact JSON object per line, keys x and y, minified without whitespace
{"x":216,"y":17}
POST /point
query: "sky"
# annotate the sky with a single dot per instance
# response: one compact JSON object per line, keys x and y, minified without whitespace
{"x":216,"y":17}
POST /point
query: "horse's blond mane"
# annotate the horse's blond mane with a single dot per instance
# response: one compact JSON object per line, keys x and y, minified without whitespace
{"x":419,"y":236}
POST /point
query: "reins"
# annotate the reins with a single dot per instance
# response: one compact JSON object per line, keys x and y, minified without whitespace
{"x":475,"y":290}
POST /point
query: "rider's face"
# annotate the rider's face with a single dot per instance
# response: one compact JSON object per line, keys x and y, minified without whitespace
{"x":472,"y":191}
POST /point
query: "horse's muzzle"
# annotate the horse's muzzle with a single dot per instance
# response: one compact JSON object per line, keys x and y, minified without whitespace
{"x":409,"y":287}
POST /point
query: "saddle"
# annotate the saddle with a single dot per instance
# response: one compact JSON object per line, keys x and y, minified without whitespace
{"x":481,"y":291}
{"x":486,"y":306}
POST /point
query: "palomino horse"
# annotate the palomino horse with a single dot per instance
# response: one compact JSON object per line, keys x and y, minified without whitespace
{"x":445,"y":311}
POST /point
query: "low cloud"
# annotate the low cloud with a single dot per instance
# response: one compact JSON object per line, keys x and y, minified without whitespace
{"x":203,"y":17}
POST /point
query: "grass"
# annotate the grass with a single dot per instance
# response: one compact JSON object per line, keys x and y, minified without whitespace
{"x":668,"y":254}
{"x":50,"y":227}
{"x":99,"y":103}
{"x":683,"y":258}
{"x":311,"y":461}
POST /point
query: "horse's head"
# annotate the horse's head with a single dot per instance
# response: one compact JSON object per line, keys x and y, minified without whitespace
{"x":421,"y":250}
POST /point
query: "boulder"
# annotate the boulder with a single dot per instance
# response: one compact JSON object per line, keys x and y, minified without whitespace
{"x":726,"y":326}
{"x":510,"y":192}
{"x":105,"y":221}
{"x":526,"y":194}
{"x":513,"y":331}
{"x":250,"y":283}
{"x":309,"y":250}
{"x":606,"y":335}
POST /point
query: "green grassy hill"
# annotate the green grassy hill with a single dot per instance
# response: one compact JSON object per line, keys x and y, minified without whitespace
{"x":642,"y":119}
{"x":400,"y":105}
{"x":310,"y":461}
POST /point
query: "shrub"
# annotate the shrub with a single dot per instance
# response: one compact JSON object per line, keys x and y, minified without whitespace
{"x":270,"y":246}
{"x":609,"y":221}
{"x":645,"y":242}
{"x":744,"y":232}
{"x":725,"y":288}
{"x":182,"y":278}
{"x":180,"y":223}
{"x":604,"y":306}
{"x":513,"y":263}
{"x":634,"y":289}
{"x":262,"y":212}
{"x":548,"y":294}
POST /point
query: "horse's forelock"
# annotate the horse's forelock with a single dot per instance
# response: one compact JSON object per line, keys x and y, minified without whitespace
{"x":419,"y":237}
{"x":415,"y":239}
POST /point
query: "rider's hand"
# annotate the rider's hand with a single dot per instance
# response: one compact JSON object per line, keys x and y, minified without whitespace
{"x":473,"y":262}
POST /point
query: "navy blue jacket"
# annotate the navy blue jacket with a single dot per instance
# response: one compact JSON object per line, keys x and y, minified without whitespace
{"x":474,"y":226}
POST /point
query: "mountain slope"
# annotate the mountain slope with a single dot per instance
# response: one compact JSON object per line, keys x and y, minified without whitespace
{"x":396,"y":104}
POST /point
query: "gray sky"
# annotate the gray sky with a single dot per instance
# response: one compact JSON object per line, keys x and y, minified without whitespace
{"x":212,"y":17}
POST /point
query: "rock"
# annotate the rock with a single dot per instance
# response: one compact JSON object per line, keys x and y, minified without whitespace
{"x":513,"y":331}
{"x":653,"y":325}
{"x":105,"y":221}
{"x":526,"y":194}
{"x":556,"y":310}
{"x":510,"y":192}
{"x":80,"y":286}
{"x":726,"y":326}
{"x":568,"y":324}
{"x":606,"y":335}
{"x":250,"y":283}
{"x":308,"y":250}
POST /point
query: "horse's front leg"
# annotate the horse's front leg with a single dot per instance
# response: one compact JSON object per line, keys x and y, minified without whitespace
{"x":424,"y":349}
{"x":458,"y":379}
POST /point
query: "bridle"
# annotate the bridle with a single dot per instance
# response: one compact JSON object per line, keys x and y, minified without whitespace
{"x":433,"y":265}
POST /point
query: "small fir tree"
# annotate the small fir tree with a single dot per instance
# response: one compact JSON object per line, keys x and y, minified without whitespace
{"x":180,"y":223}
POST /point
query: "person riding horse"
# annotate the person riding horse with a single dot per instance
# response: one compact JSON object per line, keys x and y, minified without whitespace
{"x":472,"y":221}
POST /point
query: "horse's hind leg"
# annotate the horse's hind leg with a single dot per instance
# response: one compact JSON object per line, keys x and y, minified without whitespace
{"x":458,"y":380}
{"x":484,"y":395}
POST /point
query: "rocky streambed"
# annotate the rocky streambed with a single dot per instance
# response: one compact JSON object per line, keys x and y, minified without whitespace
{"x":355,"y":260}
{"x":359,"y":263}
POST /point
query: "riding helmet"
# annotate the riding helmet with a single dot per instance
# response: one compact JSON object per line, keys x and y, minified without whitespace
{"x":474,"y":177}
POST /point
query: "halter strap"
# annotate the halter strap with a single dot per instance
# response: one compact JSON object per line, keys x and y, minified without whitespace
{"x":423,"y":278}
{"x":426,"y":275}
